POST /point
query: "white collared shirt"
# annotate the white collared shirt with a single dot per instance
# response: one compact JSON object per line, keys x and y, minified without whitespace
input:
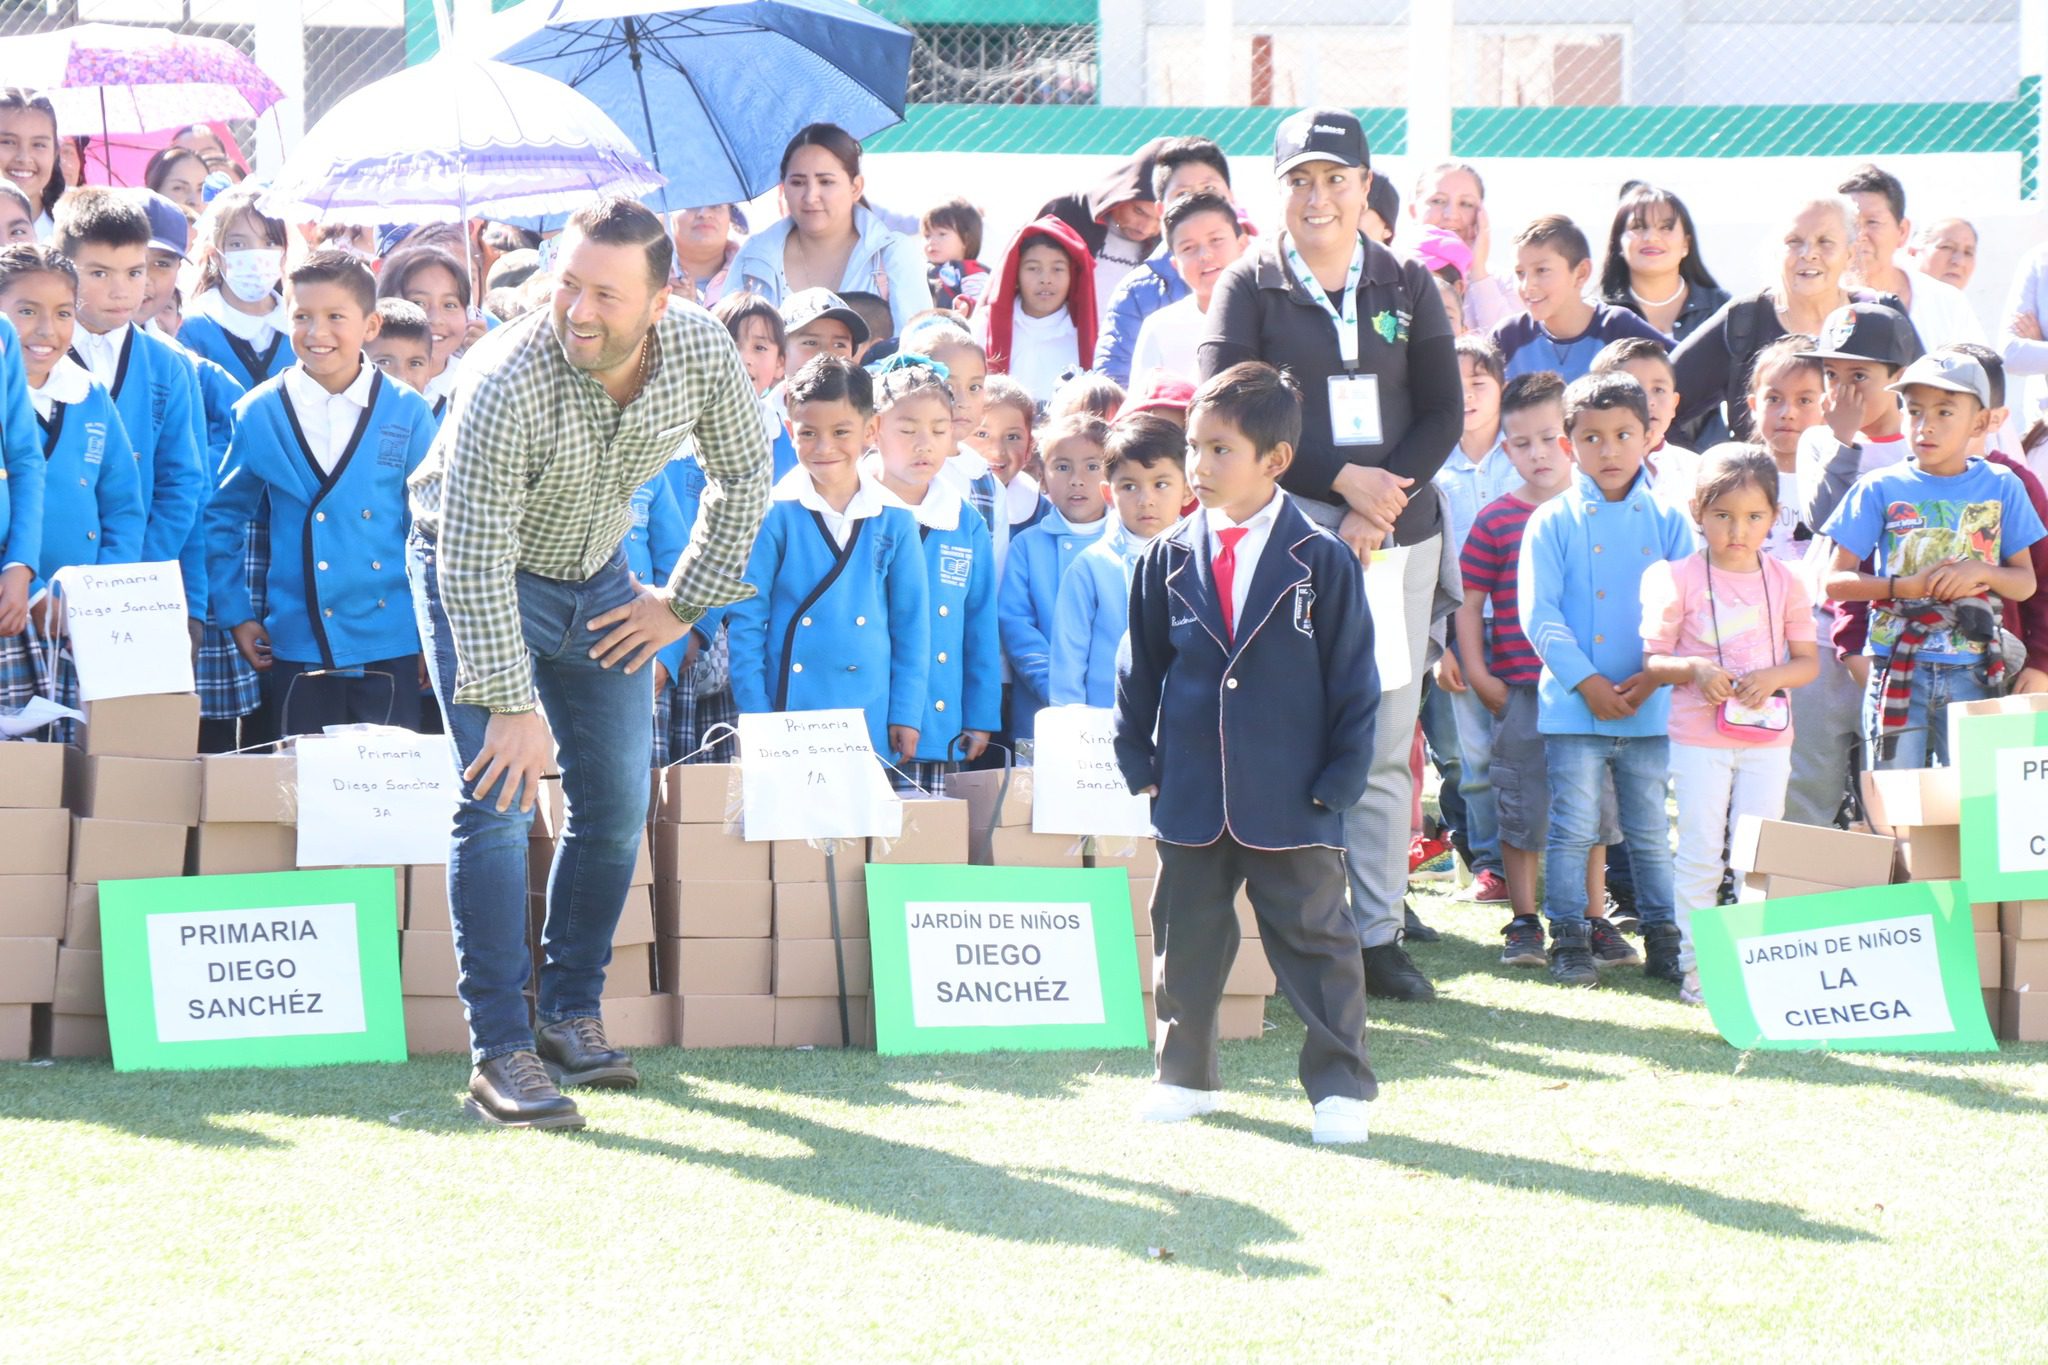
{"x":1020,"y":497}
{"x":442,"y":385}
{"x":68,"y":383}
{"x":254,"y":328}
{"x":940,"y":510}
{"x":869,"y":500}
{"x":328,"y":420}
{"x":1258,"y":529}
{"x":101,"y":352}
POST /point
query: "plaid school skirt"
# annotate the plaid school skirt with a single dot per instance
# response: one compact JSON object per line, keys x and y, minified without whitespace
{"x":228,"y":688}
{"x":25,"y":672}
{"x":924,"y":776}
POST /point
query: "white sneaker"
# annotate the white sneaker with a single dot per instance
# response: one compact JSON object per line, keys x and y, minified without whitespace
{"x":1339,"y":1118}
{"x":1176,"y":1104}
{"x":1689,"y":991}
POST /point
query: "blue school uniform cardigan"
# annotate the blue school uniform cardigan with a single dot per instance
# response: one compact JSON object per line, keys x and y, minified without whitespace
{"x":1039,"y":560}
{"x":22,"y":467}
{"x":1579,"y":583}
{"x":338,"y":592}
{"x":92,"y":501}
{"x":247,"y":363}
{"x":154,"y":389}
{"x":1265,"y":735}
{"x":1090,"y":617}
{"x":964,"y":662}
{"x":654,"y":538}
{"x":214,"y":395}
{"x":829,"y":628}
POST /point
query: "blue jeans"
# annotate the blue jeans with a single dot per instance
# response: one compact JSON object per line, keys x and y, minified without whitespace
{"x":604,"y":742}
{"x":1641,"y":766}
{"x":1925,"y":738}
{"x":1440,"y":748}
{"x":1474,"y":724}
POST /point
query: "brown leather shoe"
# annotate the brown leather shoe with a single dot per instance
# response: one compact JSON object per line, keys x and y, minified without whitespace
{"x":513,"y":1091}
{"x":576,"y":1052}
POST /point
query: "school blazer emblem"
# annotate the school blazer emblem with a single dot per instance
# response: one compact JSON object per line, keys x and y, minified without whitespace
{"x":956,"y":563}
{"x":1304,"y":610}
{"x":95,"y":442}
{"x":392,"y":443}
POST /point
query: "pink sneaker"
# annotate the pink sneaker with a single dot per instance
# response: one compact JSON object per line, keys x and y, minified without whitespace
{"x":1489,"y":888}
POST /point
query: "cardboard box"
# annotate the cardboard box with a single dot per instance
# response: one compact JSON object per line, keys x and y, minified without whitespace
{"x":162,"y":726}
{"x":1991,"y":1011}
{"x":804,"y":910}
{"x":717,"y":966}
{"x":1811,"y":854}
{"x":643,"y":863}
{"x":16,"y":1029}
{"x":636,"y":920}
{"x":1772,"y":887}
{"x":725,"y":1020}
{"x":81,"y":982}
{"x":1990,"y":960}
{"x":697,"y":794}
{"x":707,"y":853}
{"x":2016,"y":705}
{"x":82,"y":916}
{"x":1931,"y":853}
{"x":1010,"y":846}
{"x":28,"y":971}
{"x":31,"y":774}
{"x":995,"y":797}
{"x":793,"y":860}
{"x":1247,"y":918}
{"x":934,"y":831}
{"x":110,"y":787}
{"x":1140,"y":856}
{"x":808,"y":966}
{"x":249,"y":789}
{"x":426,"y":898}
{"x":1147,"y":965}
{"x":714,"y":909}
{"x":1141,"y":906}
{"x":434,"y":1023}
{"x":1984,"y":915}
{"x":79,"y":1035}
{"x":2022,"y":919}
{"x":243,"y":848}
{"x":119,"y":850}
{"x":2025,"y":964}
{"x":426,"y":962}
{"x":35,"y":843}
{"x":32,"y":907}
{"x":1250,"y":973}
{"x":637,"y":1021}
{"x":2023,"y":1016}
{"x":631,"y":971}
{"x":1241,"y":1018}
{"x":1895,"y":797}
{"x":813,"y":1021}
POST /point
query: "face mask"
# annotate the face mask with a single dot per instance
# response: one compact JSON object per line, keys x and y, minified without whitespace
{"x":252,"y":275}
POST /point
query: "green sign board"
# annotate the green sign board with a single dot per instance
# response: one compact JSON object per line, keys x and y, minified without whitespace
{"x":2003,"y":762}
{"x":971,"y":959}
{"x":1883,"y":969}
{"x":268,"y":969}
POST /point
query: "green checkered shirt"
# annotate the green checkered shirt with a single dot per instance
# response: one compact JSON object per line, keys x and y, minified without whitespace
{"x":536,"y":466}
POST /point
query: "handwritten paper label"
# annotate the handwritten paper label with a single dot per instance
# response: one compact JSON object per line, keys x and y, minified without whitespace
{"x":1078,"y":788}
{"x":375,"y":798}
{"x":127,"y":628}
{"x":813,"y":775}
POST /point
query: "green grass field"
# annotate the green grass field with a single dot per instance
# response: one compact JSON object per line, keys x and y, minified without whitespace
{"x":1552,"y":1174}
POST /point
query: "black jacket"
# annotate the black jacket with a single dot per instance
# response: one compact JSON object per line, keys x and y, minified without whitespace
{"x":1087,"y":212}
{"x":1260,"y":312}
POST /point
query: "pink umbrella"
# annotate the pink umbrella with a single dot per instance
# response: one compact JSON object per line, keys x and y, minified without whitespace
{"x":124,"y":79}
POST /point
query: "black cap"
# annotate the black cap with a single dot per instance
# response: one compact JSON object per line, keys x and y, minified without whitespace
{"x":1319,"y":135}
{"x":806,"y":306}
{"x":1867,"y":331}
{"x":1383,"y":199}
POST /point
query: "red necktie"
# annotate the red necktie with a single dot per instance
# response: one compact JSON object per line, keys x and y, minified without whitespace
{"x":1226,"y":575}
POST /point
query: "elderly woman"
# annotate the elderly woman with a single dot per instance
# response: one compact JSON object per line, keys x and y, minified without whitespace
{"x":1713,"y":363}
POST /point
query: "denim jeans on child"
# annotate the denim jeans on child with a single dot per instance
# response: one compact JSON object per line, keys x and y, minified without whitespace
{"x":1640,"y":765}
{"x":1924,"y":740}
{"x":1475,"y":778}
{"x":604,"y":741}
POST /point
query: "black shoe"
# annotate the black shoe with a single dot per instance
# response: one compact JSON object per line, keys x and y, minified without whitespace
{"x":1621,"y":913}
{"x":1609,"y":948}
{"x":1571,"y":954}
{"x":513,"y":1091}
{"x":1728,"y":894}
{"x":1413,"y":929}
{"x":576,"y":1053}
{"x":1390,"y":975}
{"x":1660,"y":953}
{"x":1524,"y":942}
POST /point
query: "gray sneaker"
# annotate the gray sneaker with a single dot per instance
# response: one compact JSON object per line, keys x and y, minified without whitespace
{"x":1610,"y":949}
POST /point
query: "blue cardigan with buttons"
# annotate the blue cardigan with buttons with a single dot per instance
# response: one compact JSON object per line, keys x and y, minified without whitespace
{"x":1264,"y":735}
{"x":154,"y":389}
{"x":338,"y":592}
{"x":829,"y":628}
{"x":249,"y":365}
{"x":1579,"y":584}
{"x":964,"y":672}
{"x":92,"y":502}
{"x":654,"y":538}
{"x":22,"y":468}
{"x":1039,"y":560}
{"x":1089,"y":620}
{"x":214,"y":394}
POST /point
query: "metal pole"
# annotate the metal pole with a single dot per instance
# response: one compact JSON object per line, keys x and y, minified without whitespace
{"x":1219,"y":24}
{"x":1432,"y":63}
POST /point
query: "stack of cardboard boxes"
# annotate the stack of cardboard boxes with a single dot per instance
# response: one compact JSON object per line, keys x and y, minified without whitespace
{"x":35,"y":852}
{"x":2022,"y":1013}
{"x":714,"y":910}
{"x":805,"y":971}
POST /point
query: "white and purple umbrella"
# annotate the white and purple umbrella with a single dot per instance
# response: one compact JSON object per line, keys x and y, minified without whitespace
{"x":120,"y":78}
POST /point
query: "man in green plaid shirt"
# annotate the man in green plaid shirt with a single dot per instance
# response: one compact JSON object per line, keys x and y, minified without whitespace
{"x":526,"y":607}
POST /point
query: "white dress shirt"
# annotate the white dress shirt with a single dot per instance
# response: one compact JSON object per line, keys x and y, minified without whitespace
{"x":254,"y":328}
{"x":868,"y":500}
{"x":101,"y":352}
{"x":1258,"y":528}
{"x":68,"y":383}
{"x":328,"y":420}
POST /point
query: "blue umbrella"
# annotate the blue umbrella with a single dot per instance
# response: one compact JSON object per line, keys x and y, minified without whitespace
{"x":720,"y":88}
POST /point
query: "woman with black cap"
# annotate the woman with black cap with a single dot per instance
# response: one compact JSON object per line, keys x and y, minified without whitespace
{"x":1365,"y":336}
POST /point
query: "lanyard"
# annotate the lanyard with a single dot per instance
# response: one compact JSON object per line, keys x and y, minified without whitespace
{"x":1346,"y":320}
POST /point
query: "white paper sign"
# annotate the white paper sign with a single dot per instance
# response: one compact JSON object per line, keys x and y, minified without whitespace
{"x":221,"y":974}
{"x":127,"y":628}
{"x":372,"y":798}
{"x":1002,"y":964}
{"x":813,"y":775}
{"x":1077,"y":787}
{"x":1881,"y":979}
{"x":1385,"y":598}
{"x":2022,"y":811}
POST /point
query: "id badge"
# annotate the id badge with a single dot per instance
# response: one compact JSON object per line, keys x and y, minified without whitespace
{"x":1355,"y":410}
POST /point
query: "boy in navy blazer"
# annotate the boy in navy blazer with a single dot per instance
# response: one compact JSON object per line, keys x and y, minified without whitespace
{"x":1245,"y":699}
